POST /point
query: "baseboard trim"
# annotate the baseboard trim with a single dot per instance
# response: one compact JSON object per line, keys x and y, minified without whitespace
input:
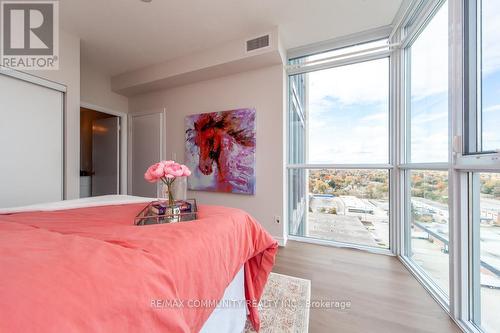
{"x":317,"y":241}
{"x":281,"y":241}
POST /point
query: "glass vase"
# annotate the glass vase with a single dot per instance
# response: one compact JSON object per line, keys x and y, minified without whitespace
{"x":179,"y":188}
{"x":172,"y":213}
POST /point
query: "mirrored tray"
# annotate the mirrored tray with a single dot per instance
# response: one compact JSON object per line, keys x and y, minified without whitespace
{"x":159,"y":212}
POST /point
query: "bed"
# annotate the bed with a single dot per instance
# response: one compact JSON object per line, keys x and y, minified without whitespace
{"x":81,"y":265}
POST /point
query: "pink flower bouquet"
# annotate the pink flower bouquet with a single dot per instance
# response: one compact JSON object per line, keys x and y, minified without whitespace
{"x":167,"y":172}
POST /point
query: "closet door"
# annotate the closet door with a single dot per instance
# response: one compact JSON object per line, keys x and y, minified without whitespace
{"x":31,"y":143}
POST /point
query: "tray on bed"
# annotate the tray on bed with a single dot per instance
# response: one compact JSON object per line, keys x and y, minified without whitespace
{"x":183,"y":210}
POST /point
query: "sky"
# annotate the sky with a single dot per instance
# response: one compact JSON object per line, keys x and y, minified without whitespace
{"x":429,"y":92}
{"x":491,"y":74}
{"x":348,"y":105}
{"x":348,"y":114}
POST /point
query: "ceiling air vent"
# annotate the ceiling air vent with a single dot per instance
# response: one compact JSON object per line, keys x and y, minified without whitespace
{"x":257,"y":43}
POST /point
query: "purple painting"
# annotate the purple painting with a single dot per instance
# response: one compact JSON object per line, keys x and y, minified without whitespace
{"x":220,"y":151}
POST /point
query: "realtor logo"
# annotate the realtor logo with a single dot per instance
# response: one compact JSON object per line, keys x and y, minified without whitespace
{"x":29,"y":35}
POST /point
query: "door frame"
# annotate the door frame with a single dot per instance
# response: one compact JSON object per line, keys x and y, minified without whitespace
{"x":123,"y":162}
{"x":163,"y":147}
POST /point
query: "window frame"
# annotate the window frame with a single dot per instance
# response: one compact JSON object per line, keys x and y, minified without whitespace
{"x":470,"y":161}
{"x":344,"y":61}
{"x":409,"y":31}
{"x":474,"y":283}
{"x":473,"y":115}
{"x":461,"y":165}
{"x":474,"y":258}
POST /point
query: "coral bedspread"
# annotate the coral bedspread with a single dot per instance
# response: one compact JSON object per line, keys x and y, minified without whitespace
{"x":92,"y":270}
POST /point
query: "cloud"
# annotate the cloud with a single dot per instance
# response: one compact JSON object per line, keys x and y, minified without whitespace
{"x":491,"y":140}
{"x":376,"y":116}
{"x":429,"y":57}
{"x":340,"y":138}
{"x":429,"y":143}
{"x":348,"y":105}
{"x":430,"y":117}
{"x":348,"y":113}
{"x":490,"y":45}
{"x":365,"y":82}
{"x":492,"y":108}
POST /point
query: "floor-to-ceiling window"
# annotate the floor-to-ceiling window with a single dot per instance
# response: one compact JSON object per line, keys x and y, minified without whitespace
{"x":409,"y":135}
{"x":426,"y":158}
{"x":484,"y":189}
{"x":338,"y":163}
{"x":480,"y":163}
{"x":488,"y":51}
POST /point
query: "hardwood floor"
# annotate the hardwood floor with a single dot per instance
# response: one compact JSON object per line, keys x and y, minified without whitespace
{"x":384,"y":296}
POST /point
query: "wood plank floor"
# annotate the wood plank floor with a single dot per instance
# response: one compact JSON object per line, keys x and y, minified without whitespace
{"x":384,"y":296}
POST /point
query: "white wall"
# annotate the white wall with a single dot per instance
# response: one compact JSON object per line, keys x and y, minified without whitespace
{"x":69,"y":75}
{"x":86,"y":85}
{"x":96,"y":89}
{"x":262,"y":89}
{"x":216,"y":61}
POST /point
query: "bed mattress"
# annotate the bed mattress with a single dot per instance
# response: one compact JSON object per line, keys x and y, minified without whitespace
{"x":61,"y":249}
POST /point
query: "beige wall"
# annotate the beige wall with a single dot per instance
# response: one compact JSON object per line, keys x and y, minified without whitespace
{"x":86,"y":85}
{"x":261,"y":89}
{"x":69,"y":75}
{"x":96,"y":90}
{"x":96,"y":94}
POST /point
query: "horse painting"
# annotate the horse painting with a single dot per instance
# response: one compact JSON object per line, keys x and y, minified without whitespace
{"x":220,"y":149}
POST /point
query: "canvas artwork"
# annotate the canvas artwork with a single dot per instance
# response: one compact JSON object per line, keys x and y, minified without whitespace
{"x":220,"y":151}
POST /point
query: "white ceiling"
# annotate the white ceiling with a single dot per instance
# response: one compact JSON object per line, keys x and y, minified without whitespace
{"x":123,"y":35}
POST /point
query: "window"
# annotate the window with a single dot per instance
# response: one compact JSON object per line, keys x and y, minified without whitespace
{"x":482,"y":139}
{"x":429,"y":224}
{"x":358,"y":174}
{"x":485,"y":188}
{"x":490,"y":75}
{"x":344,"y":205}
{"x":428,"y":87}
{"x":427,"y":137}
{"x":346,"y":114}
{"x":343,"y":53}
{"x":483,"y":77}
{"x":339,"y":120}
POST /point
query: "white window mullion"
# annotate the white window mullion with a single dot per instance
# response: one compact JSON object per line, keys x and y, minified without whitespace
{"x":457,"y":190}
{"x":425,"y":166}
{"x":474,"y":242}
{"x":339,"y":166}
{"x":395,"y":218}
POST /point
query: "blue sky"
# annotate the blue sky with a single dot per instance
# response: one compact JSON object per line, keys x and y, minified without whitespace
{"x":491,"y":111}
{"x":429,"y":92}
{"x":348,"y":114}
{"x":348,"y":105}
{"x":491,"y":74}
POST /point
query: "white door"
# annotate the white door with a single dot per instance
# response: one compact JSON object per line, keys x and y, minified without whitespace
{"x":147,"y":148}
{"x":106,"y":156}
{"x":31,"y":143}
